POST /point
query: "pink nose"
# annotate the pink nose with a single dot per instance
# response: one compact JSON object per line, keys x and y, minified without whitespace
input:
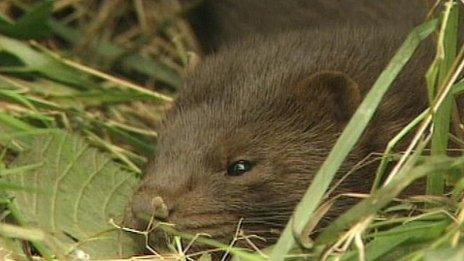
{"x":146,"y":208}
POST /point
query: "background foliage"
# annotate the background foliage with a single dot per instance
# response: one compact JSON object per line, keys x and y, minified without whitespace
{"x":103,"y":72}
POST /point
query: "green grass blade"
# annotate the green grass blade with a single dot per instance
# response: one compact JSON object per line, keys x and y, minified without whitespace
{"x":447,"y":49}
{"x":347,"y":140}
{"x":12,"y":96}
{"x":11,"y":123}
{"x":383,"y":196}
{"x":134,"y":62}
{"x":388,"y":151}
{"x":44,"y":64}
{"x":12,"y":171}
{"x":407,"y":233}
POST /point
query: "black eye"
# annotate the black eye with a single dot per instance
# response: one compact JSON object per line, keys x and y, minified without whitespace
{"x":239,"y":167}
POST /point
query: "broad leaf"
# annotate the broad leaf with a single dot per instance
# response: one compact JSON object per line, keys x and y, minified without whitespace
{"x":79,"y":189}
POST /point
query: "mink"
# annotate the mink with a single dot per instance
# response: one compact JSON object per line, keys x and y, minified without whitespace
{"x":257,"y":117}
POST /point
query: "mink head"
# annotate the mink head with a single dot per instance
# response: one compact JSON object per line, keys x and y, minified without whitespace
{"x":245,"y":138}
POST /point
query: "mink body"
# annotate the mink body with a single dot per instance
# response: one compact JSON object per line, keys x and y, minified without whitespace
{"x":220,"y":22}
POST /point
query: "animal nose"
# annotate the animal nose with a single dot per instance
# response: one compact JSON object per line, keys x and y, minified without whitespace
{"x":146,"y":208}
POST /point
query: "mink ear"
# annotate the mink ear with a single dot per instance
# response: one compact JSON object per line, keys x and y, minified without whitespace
{"x":335,"y":91}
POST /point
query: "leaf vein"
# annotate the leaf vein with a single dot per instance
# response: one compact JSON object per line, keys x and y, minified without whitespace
{"x":60,"y":177}
{"x":81,"y":192}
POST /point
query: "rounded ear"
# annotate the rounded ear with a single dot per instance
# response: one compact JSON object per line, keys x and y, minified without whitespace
{"x":334,"y":91}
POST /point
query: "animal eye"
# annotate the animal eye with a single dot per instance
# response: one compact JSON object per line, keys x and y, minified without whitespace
{"x":239,"y":167}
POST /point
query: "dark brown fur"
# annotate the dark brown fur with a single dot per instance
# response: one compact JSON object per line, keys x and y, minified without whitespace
{"x":217,"y":22}
{"x":280,"y":100}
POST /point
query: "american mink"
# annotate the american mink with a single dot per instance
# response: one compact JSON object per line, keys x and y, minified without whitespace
{"x":256,"y":119}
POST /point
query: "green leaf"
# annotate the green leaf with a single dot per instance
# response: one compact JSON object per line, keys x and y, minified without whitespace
{"x":347,"y":140}
{"x":81,"y":189}
{"x":33,"y":25}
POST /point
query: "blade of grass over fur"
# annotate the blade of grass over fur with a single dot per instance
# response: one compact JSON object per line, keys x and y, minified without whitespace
{"x":446,"y":53}
{"x":384,"y":195}
{"x":458,"y":88}
{"x":387,"y":154}
{"x":347,"y":140}
{"x":458,"y":68}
